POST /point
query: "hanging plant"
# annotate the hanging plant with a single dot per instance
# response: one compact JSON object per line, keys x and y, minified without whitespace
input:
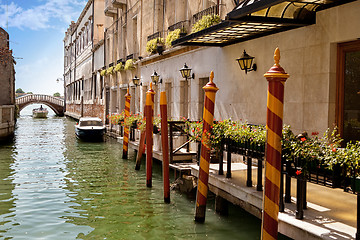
{"x":119,"y":67}
{"x":151,"y":46}
{"x":110,"y":70}
{"x":172,"y":36}
{"x":129,"y":64}
{"x":103,"y":72}
{"x":205,"y":22}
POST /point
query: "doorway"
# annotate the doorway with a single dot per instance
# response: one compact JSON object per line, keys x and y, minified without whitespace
{"x":348,"y":91}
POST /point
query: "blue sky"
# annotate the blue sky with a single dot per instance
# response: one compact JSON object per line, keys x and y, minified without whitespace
{"x":37,"y":29}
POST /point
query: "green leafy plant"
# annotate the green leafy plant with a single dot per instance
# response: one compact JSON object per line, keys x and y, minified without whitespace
{"x":116,"y":118}
{"x":129,"y":64}
{"x":205,"y":22}
{"x":132,"y":119}
{"x":172,"y":36}
{"x":119,"y":67}
{"x":110,"y":70}
{"x":151,"y":46}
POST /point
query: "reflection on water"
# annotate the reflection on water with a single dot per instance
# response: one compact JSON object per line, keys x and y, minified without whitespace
{"x":56,"y":187}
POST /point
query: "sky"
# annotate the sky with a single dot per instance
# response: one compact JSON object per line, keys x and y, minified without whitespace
{"x":36,"y":30}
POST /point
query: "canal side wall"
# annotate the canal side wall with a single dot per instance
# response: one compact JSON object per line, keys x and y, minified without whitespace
{"x":85,"y":110}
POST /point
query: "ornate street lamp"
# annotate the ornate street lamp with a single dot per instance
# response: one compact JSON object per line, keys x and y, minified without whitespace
{"x":136,"y":81}
{"x":246,"y":63}
{"x":186,"y":72}
{"x":155,"y":78}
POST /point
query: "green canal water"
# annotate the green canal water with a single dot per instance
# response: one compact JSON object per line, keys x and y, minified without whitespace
{"x":53,"y":186}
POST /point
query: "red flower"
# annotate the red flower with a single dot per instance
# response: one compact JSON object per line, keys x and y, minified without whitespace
{"x":334,"y":150}
{"x":303,"y":139}
{"x":298,"y":172}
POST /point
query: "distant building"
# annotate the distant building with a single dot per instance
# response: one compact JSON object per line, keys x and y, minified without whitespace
{"x":7,"y":88}
{"x":83,"y":60}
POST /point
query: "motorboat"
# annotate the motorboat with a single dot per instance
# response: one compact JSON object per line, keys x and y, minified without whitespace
{"x":40,"y":112}
{"x":90,"y":129}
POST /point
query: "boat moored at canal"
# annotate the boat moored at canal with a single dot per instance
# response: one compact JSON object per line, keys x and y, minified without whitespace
{"x":40,"y":112}
{"x":90,"y":129}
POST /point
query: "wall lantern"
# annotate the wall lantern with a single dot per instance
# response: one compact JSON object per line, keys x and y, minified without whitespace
{"x":155,"y":78}
{"x":186,"y":72}
{"x":136,"y":81}
{"x":245,"y":63}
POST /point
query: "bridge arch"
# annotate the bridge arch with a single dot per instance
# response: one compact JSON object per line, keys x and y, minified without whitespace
{"x":56,"y":104}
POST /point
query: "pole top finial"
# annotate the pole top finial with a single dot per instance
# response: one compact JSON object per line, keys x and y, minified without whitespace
{"x":150,"y":85}
{"x":211,"y":76}
{"x":277,"y":56}
{"x":128,"y":90}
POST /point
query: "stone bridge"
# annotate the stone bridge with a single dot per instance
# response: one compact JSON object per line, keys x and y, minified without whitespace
{"x":55,"y":103}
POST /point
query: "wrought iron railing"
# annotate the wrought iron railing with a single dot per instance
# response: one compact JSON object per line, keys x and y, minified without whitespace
{"x":213,"y":10}
{"x":155,"y":35}
{"x":183,"y":25}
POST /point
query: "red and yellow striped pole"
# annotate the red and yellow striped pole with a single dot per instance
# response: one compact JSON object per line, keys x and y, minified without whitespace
{"x":208,"y":117}
{"x":276,"y":78}
{"x":149,"y":112}
{"x":165,"y":146}
{"x":126,"y":129}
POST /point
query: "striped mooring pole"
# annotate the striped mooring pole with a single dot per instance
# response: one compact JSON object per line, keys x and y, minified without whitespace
{"x":126,"y":129}
{"x":165,"y":146}
{"x":208,"y":117}
{"x":276,"y":78}
{"x":149,"y":112}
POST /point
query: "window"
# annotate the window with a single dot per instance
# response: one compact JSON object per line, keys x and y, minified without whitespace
{"x":184,"y":98}
{"x":169,"y":98}
{"x":348,"y":91}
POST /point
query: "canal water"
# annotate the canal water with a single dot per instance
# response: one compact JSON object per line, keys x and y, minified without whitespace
{"x":56,"y":187}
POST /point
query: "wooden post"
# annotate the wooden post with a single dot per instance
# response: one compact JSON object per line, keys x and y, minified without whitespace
{"x":228,"y":159}
{"x":141,"y":145}
{"x":141,"y":150}
{"x":126,"y":129}
{"x":208,"y":117}
{"x":149,"y":105}
{"x":165,"y":146}
{"x":276,"y":78}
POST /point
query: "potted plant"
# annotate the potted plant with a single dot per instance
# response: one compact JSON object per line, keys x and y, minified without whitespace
{"x":152,"y":45}
{"x":129,"y":64}
{"x":119,"y":67}
{"x":205,"y":22}
{"x":172,"y":36}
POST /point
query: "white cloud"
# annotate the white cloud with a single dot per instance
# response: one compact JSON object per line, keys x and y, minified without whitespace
{"x":40,"y":16}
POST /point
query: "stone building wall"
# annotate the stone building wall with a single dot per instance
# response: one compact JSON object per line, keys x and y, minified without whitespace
{"x":7,"y":87}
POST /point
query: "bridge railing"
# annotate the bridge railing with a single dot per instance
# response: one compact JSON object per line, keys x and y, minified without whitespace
{"x":39,"y":98}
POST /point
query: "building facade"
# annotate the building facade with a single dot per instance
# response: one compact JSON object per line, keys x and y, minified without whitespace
{"x":83,"y":60}
{"x":7,"y":86}
{"x":318,"y":41}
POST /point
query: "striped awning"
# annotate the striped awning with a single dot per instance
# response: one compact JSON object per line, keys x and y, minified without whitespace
{"x":257,"y":18}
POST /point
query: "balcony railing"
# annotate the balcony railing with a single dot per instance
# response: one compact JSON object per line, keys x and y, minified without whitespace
{"x":209,"y":11}
{"x":155,"y":35}
{"x":183,"y":25}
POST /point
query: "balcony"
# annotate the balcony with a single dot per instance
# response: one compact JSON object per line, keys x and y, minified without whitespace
{"x":118,"y":3}
{"x":155,"y":35}
{"x":183,"y":26}
{"x":209,"y":11}
{"x":109,"y":10}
